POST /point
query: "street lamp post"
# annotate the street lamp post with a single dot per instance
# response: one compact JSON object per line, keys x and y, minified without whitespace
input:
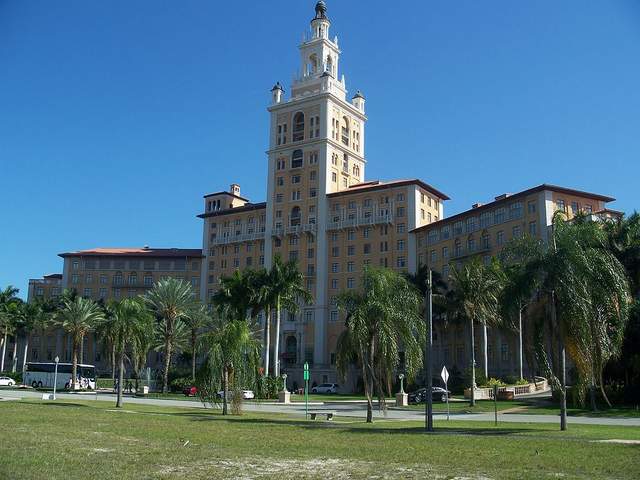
{"x":427,"y":355}
{"x":55,"y":377}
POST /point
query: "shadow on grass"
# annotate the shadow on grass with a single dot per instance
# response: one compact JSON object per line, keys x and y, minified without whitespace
{"x":361,"y":428}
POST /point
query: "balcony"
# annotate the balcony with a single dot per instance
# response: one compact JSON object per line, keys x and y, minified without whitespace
{"x":360,"y":221}
{"x":463,"y":253}
{"x":238,"y":238}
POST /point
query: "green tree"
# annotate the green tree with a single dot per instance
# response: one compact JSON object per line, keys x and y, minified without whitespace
{"x":585,"y":290}
{"x":8,"y":300}
{"x":170,"y":300}
{"x":196,"y":320}
{"x":129,"y":317}
{"x":286,"y":289}
{"x":382,"y":318}
{"x":232,"y":360}
{"x":78,"y":317}
{"x":35,"y":317}
{"x":475,"y":290}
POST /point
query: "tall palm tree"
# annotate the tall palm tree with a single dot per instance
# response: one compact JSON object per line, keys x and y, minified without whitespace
{"x":475,"y":290}
{"x":519,"y":287}
{"x":286,"y":288}
{"x":586,"y":291}
{"x":128,"y":319}
{"x":233,"y":357}
{"x":105,"y":331}
{"x":196,"y":320}
{"x":36,"y":318}
{"x":382,"y":318}
{"x":170,"y":300}
{"x":78,"y":317}
{"x":141,"y":343}
{"x":8,"y":299}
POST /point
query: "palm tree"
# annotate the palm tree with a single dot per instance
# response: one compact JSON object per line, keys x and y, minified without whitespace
{"x":286,"y":288}
{"x":196,"y":320}
{"x":106,"y":332}
{"x":8,"y":299}
{"x":475,"y":289}
{"x":78,"y":317}
{"x":35,"y":317}
{"x":141,"y":343}
{"x":233,"y":357}
{"x":518,"y":289}
{"x":129,"y":317}
{"x":382,"y":318}
{"x":170,"y":300}
{"x":586,"y":290}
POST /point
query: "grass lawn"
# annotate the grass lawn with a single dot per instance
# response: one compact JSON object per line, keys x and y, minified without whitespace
{"x":94,"y":440}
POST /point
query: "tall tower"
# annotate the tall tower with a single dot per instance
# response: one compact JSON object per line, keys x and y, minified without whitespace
{"x":316,"y":147}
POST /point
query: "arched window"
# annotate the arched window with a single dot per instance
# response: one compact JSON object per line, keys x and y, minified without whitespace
{"x":313,"y":64}
{"x":291,"y":350}
{"x":295,"y":217}
{"x":296,"y":159}
{"x":298,"y":127}
{"x":345,"y":130}
{"x":330,"y":65}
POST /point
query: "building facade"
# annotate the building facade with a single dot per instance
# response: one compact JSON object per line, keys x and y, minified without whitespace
{"x":319,"y":210}
{"x":481,"y":232}
{"x":105,"y":274}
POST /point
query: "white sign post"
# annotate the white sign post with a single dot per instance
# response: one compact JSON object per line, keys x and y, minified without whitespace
{"x":445,"y":377}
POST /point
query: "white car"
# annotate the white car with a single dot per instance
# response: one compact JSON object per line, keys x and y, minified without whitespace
{"x":246,"y":394}
{"x":7,"y":382}
{"x":326,"y":388}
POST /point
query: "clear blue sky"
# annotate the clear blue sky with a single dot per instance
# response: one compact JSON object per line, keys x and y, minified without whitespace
{"x":116,"y":117}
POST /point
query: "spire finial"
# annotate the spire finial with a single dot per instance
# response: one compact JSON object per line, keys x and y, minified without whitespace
{"x":321,"y":10}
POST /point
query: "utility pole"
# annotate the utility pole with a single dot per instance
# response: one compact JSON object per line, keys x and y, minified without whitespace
{"x":427,"y":356}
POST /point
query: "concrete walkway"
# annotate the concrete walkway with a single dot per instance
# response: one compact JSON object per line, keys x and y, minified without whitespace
{"x":343,"y":409}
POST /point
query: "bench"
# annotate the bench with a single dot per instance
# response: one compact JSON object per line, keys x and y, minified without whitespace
{"x":327,"y":413}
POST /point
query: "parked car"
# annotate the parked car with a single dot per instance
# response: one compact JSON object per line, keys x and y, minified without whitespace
{"x":190,"y":391}
{"x":439,"y":394}
{"x":246,"y":394}
{"x":7,"y":382}
{"x":326,"y":388}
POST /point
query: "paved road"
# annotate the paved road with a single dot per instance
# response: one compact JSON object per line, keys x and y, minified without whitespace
{"x":342,"y":409}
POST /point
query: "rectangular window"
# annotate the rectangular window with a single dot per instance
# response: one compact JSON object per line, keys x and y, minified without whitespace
{"x":532,"y":229}
{"x":401,"y":262}
{"x":400,"y":228}
{"x":517,"y":231}
{"x":445,"y":253}
{"x":351,"y":250}
{"x":103,"y":293}
{"x":334,"y":268}
{"x":350,"y":282}
{"x":334,"y":316}
{"x":335,"y":251}
{"x":295,"y":179}
{"x":366,"y":248}
{"x":500,"y":238}
{"x":531,"y":207}
{"x":334,"y":283}
{"x":148,"y":281}
{"x":350,"y":266}
{"x":86,"y":293}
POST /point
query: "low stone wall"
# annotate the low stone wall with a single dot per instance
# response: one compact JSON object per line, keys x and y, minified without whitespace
{"x":540,"y":384}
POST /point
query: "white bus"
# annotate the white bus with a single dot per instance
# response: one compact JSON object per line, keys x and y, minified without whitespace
{"x":41,"y":375}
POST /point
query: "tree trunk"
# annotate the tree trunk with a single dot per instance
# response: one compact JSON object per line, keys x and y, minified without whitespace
{"x":276,"y":349}
{"x":473,"y":367}
{"x":592,"y":395}
{"x":520,"y":349}
{"x":167,"y":363}
{"x":4,"y":351}
{"x":81,"y":355}
{"x":194,"y":340}
{"x":113,"y":362}
{"x":267,"y":341}
{"x":74,"y":362}
{"x":14,"y":356}
{"x":604,"y":395}
{"x":225,"y":388}
{"x":485,"y":354}
{"x":26,"y":350}
{"x":120,"y":376}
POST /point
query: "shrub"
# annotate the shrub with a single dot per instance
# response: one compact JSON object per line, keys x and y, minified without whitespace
{"x":493,"y":382}
{"x":480,"y":378}
{"x":268,"y":387}
{"x":17,"y":376}
{"x":522,"y":381}
{"x":180,"y":383}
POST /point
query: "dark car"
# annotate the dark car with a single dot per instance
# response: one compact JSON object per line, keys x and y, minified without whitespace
{"x":438,"y":395}
{"x":190,"y":391}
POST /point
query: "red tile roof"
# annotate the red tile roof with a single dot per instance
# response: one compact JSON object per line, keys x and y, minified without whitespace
{"x":136,"y":252}
{"x":506,"y":199}
{"x":380,"y":185}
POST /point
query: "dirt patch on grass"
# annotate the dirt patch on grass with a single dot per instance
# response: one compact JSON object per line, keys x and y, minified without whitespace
{"x":327,"y":469}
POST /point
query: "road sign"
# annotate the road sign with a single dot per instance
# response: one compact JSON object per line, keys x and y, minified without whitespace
{"x":444,"y":374}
